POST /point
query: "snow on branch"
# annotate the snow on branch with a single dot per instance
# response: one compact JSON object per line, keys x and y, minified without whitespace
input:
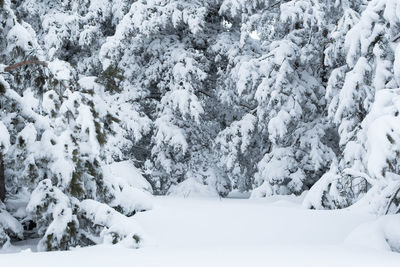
{"x":354,"y":173}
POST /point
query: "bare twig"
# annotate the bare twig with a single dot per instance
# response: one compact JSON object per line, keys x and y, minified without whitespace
{"x":204,"y":93}
{"x":396,"y":38}
{"x":391,"y":200}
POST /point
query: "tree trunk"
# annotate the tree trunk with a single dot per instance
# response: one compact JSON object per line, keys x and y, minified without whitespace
{"x":2,"y":180}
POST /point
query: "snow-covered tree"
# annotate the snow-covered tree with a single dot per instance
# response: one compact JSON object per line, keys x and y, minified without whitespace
{"x":163,"y":50}
{"x":283,"y":83}
{"x":273,"y":96}
{"x":363,"y":106}
{"x":58,"y":143}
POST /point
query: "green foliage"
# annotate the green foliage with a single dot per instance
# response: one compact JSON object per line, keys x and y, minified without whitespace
{"x":111,"y":78}
{"x":66,"y":241}
{"x":32,"y":172}
{"x":100,"y":134}
{"x":136,"y":238}
{"x":115,"y":238}
{"x":2,"y":87}
{"x":76,"y":187}
{"x":21,"y":142}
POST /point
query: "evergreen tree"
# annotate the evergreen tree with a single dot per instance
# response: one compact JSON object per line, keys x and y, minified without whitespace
{"x":268,"y":96}
{"x":363,"y":107}
{"x":53,"y":160}
{"x":285,"y":128}
{"x":164,"y":49}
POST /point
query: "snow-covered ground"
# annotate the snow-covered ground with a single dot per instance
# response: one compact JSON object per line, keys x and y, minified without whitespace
{"x":227,"y":232}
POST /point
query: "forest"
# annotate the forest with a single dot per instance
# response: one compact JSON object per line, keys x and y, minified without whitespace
{"x":112,"y":108}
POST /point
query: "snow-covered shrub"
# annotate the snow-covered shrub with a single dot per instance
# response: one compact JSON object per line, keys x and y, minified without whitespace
{"x":102,"y":224}
{"x":131,"y":191}
{"x":9,"y":226}
{"x":56,"y":219}
{"x":64,"y":222}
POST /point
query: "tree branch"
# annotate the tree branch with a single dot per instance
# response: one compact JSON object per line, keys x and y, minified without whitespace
{"x":23,"y":63}
{"x":395,"y":39}
{"x":204,"y":93}
{"x":391,"y":201}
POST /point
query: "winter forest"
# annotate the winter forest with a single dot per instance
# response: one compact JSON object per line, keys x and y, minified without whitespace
{"x":200,"y":132}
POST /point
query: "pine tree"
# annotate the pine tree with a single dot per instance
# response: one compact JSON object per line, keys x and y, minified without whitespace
{"x":283,"y":83}
{"x":363,"y":107}
{"x":164,"y":48}
{"x":56,"y":149}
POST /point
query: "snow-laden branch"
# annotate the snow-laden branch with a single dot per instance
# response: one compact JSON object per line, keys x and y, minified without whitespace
{"x":354,"y":173}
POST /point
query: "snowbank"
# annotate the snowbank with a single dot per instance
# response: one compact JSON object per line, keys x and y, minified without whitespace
{"x":382,"y":234}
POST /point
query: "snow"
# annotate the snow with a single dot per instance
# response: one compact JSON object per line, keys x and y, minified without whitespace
{"x":198,"y":104}
{"x":28,"y":134}
{"x":184,"y":101}
{"x":117,"y":227}
{"x":382,"y":130}
{"x":132,"y":191}
{"x":4,"y":138}
{"x":192,"y":188}
{"x":382,"y":234}
{"x":57,"y":210}
{"x":396,"y":65}
{"x":314,"y":199}
{"x":210,"y":232}
{"x":167,"y":132}
{"x":40,"y":121}
{"x":20,"y":37}
{"x":86,"y":121}
{"x":60,"y":69}
{"x":9,"y":223}
{"x":126,"y":171}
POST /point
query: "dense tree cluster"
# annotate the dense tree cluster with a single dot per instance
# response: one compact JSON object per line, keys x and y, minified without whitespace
{"x":267,"y":96}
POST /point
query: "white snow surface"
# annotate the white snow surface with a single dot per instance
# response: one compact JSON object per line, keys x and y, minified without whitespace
{"x":384,"y":233}
{"x":217,"y":232}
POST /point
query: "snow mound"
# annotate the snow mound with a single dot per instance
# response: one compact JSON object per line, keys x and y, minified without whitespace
{"x":192,"y":188}
{"x":381,"y":234}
